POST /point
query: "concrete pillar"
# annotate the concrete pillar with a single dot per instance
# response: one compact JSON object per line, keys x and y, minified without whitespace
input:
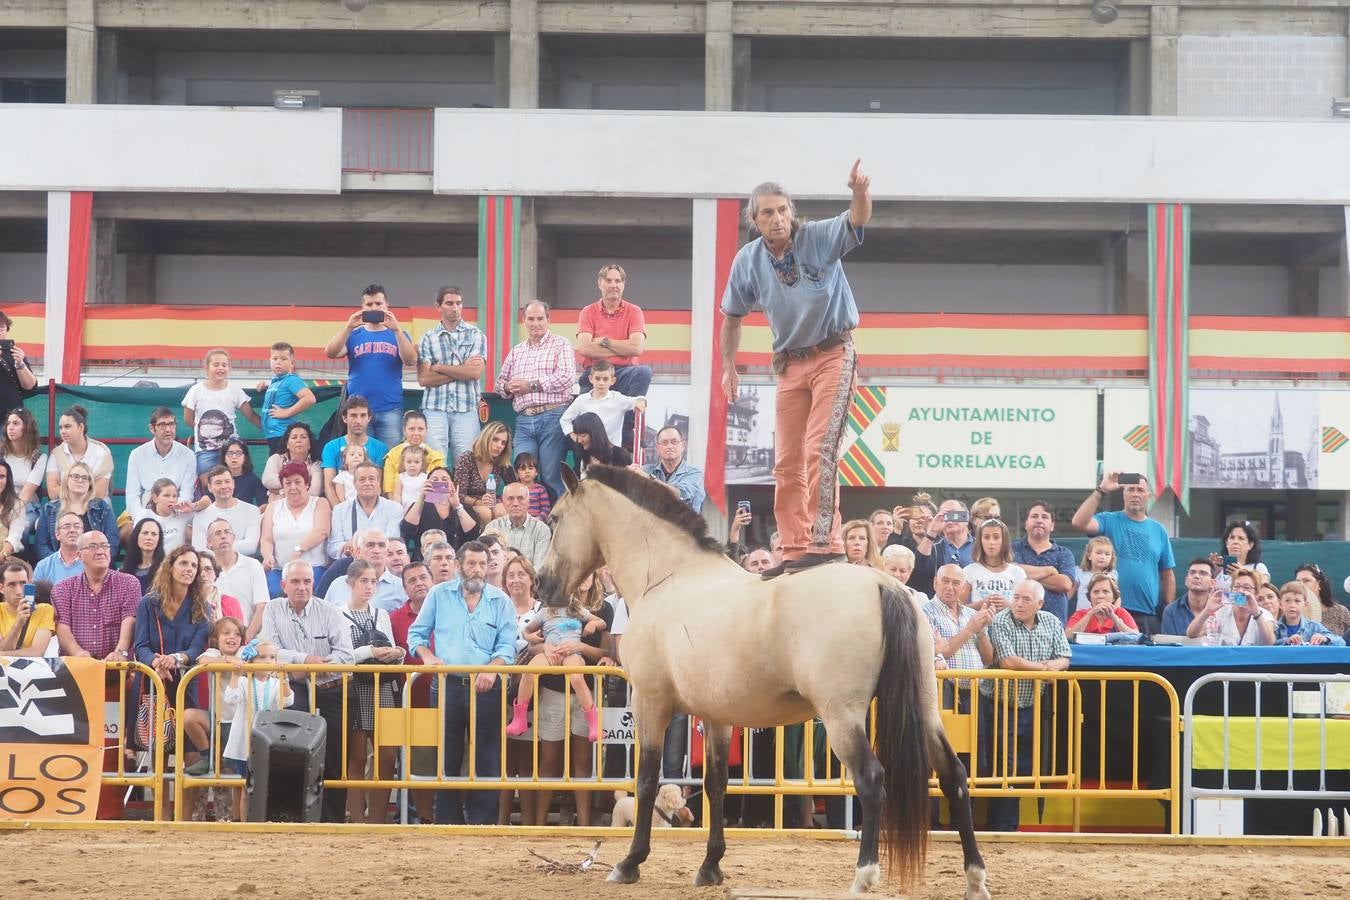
{"x":1128,"y":274}
{"x":81,"y":52}
{"x":58,"y":258}
{"x":718,"y":58}
{"x":141,"y":278}
{"x":529,"y":254}
{"x":1164,"y":60}
{"x":1135,"y":84}
{"x":102,"y":286}
{"x":524,"y":54}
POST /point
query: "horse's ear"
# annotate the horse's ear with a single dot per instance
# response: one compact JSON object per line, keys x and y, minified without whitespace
{"x":569,"y":478}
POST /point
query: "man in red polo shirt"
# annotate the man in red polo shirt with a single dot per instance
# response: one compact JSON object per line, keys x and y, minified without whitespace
{"x":417,"y":584}
{"x":614,"y":329}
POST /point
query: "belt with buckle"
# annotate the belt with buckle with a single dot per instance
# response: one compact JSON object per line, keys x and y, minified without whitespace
{"x":542,"y":408}
{"x":838,"y":340}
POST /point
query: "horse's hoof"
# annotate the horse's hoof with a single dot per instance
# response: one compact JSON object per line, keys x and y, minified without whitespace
{"x":708,"y":876}
{"x":621,"y":875}
{"x":868,"y":877}
{"x":976,"y":889}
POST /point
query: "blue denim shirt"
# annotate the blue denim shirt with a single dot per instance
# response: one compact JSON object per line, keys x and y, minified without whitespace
{"x":466,"y":638}
{"x":1305,"y":629}
{"x":686,"y":479}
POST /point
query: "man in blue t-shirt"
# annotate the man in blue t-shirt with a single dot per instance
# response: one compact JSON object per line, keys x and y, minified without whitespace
{"x":1144,"y":560}
{"x":377,"y":350}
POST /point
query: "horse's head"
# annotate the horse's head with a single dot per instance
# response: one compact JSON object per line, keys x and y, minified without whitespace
{"x":574,"y":551}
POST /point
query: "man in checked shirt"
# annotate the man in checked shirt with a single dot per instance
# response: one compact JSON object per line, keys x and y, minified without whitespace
{"x":538,"y":375}
{"x":1029,"y":640}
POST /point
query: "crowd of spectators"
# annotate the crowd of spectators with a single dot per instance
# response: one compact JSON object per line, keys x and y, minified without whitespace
{"x":416,"y":535}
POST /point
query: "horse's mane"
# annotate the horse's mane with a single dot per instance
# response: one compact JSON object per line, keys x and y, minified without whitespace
{"x":657,"y":500}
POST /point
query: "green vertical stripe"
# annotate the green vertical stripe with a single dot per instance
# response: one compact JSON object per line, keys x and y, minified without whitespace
{"x":483,"y":309}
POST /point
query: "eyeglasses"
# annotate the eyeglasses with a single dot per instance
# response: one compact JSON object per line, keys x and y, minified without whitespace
{"x":234,"y":451}
{"x":104,"y":546}
{"x":75,"y":476}
{"x":170,"y":423}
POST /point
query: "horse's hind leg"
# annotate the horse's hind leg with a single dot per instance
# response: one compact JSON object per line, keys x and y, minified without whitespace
{"x":952,"y":777}
{"x":651,"y":734}
{"x":848,"y":736}
{"x":717,"y":742}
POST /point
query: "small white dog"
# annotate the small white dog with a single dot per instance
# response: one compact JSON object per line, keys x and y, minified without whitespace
{"x":670,"y":810}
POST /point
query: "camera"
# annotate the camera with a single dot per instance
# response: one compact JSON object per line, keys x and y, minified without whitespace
{"x":373,"y":317}
{"x":1130,"y":478}
{"x":956,"y":515}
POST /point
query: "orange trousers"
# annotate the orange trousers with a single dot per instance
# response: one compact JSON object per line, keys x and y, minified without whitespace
{"x":811,"y":410}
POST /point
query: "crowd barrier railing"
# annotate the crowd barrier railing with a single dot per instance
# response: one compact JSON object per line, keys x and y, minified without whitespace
{"x":402,"y":727}
{"x":126,"y":765}
{"x":1067,"y":735}
{"x":1279,"y":741}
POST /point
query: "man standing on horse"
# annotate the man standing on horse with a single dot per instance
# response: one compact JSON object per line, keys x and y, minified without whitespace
{"x":793,"y":271}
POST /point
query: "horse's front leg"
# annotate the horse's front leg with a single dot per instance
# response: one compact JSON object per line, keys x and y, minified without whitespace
{"x":651,"y":736}
{"x":717,"y":740}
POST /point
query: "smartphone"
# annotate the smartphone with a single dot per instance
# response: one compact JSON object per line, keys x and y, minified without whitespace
{"x":742,"y":505}
{"x":435,"y":496}
{"x":1129,"y":478}
{"x":30,"y":595}
{"x":956,"y":515}
{"x":1229,"y":561}
{"x":1236,"y":598}
{"x":373,"y":317}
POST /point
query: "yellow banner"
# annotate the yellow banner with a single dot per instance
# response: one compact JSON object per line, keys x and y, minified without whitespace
{"x":1209,"y":743}
{"x":51,"y":738}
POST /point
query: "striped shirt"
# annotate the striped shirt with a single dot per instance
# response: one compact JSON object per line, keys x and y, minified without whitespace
{"x":549,"y":362}
{"x":939,"y":613}
{"x":1041,"y":643}
{"x":455,"y":347}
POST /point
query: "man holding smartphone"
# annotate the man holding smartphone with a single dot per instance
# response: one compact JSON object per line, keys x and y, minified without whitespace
{"x":15,"y":375}
{"x":1144,"y":557}
{"x":377,"y":350}
{"x":25,"y":628}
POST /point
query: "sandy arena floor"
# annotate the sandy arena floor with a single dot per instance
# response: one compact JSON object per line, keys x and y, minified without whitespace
{"x":216,"y":865}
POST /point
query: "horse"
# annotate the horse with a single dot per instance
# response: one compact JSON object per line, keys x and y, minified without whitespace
{"x":709,"y":639}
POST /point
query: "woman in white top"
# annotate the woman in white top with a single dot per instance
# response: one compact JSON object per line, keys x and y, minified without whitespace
{"x":13,"y":521}
{"x":294,"y":527}
{"x":992,"y":576}
{"x":1243,"y":624}
{"x":77,"y":446}
{"x":21,"y":447}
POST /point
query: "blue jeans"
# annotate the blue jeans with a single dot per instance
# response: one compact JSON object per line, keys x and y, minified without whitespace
{"x":387,"y":426}
{"x":997,"y":757}
{"x":631,"y":381}
{"x":675,"y":748}
{"x":542,"y":435}
{"x":470,"y":807}
{"x":451,"y":433}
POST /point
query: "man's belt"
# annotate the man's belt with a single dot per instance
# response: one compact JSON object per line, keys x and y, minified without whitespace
{"x":780,"y":359}
{"x":541,"y":408}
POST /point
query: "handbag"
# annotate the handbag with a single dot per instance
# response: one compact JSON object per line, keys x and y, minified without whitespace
{"x":146,"y":730}
{"x":372,"y":636}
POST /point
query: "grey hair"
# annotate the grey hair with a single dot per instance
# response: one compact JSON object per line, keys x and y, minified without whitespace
{"x":899,"y":550}
{"x":286,"y":569}
{"x":770,"y":189}
{"x":1037,"y":589}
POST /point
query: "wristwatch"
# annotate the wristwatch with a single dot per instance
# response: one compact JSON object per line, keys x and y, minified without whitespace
{"x":535,"y":385}
{"x":298,"y":549}
{"x":604,"y":342}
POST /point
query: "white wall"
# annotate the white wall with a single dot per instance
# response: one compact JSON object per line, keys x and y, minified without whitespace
{"x":954,"y":288}
{"x":1002,"y":87}
{"x":152,"y":148}
{"x":23,"y":276}
{"x":308,"y":281}
{"x":1260,"y":75}
{"x":652,"y":283}
{"x":1239,"y":291}
{"x":372,"y":79}
{"x":630,"y":83}
{"x":1132,"y":159}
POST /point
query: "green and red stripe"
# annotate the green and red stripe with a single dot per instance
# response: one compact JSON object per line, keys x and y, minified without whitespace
{"x":498,"y":277}
{"x":860,"y":467}
{"x":1169,"y":227}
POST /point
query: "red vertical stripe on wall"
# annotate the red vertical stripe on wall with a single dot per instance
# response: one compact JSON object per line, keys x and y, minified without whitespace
{"x":77,"y":277}
{"x":715,"y":468}
{"x":1159,"y":349}
{"x":490,"y":291}
{"x":507,"y":289}
{"x":1176,"y":364}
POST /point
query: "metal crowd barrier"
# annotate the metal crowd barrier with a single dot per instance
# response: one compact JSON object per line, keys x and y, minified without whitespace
{"x":1078,"y":751}
{"x":1277,"y":742}
{"x":147,"y":771}
{"x":403,"y":727}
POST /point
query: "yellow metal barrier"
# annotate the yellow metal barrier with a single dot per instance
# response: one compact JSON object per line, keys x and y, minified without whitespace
{"x":126,"y":688}
{"x":977,"y":709}
{"x":404,"y":728}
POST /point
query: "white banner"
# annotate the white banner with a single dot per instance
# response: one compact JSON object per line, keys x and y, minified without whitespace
{"x":936,"y":437}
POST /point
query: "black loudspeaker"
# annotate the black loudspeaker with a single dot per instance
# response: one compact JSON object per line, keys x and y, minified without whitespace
{"x":285,"y":761}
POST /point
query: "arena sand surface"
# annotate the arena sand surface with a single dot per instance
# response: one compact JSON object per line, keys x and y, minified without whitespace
{"x":410,"y":865}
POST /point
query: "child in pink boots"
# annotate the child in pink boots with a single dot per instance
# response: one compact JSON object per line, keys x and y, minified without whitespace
{"x":561,"y":621}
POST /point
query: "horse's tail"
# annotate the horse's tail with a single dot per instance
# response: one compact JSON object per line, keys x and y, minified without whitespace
{"x":901,"y":741}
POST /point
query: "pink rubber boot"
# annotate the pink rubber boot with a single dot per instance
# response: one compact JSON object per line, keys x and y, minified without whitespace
{"x":520,"y":719}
